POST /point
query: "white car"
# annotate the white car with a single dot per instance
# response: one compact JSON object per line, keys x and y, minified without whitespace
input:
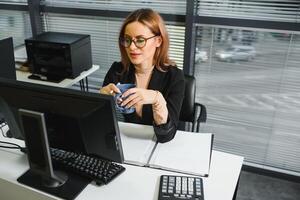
{"x":236,"y":52}
{"x":200,"y":56}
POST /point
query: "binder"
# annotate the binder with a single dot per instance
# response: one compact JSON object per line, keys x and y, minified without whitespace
{"x":187,"y":152}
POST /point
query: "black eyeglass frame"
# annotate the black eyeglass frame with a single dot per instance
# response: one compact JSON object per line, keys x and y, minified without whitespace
{"x":122,"y":41}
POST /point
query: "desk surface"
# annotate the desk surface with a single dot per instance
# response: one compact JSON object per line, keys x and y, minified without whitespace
{"x":135,"y":183}
{"x":23,"y":76}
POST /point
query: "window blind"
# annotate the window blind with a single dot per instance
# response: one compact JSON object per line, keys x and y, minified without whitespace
{"x":269,"y":10}
{"x":252,"y":94}
{"x":104,"y":37}
{"x":162,"y":6}
{"x":14,"y":1}
{"x":15,"y":24}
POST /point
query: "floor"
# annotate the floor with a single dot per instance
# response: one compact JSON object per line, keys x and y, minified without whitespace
{"x":259,"y":187}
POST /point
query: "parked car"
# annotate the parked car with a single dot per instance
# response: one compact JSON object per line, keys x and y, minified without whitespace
{"x":236,"y":52}
{"x":200,"y":56}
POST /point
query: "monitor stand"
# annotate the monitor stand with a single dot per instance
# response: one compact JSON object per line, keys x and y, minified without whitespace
{"x":69,"y":190}
{"x":41,"y":174}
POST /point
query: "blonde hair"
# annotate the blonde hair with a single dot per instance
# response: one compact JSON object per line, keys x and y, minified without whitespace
{"x":156,"y":24}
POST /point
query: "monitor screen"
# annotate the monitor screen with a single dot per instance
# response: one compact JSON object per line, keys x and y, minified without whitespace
{"x":75,"y":121}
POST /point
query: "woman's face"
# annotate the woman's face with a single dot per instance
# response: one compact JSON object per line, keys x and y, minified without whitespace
{"x":141,"y":57}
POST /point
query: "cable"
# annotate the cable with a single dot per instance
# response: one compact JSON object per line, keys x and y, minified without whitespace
{"x":6,"y":147}
{"x":3,"y":124}
{"x":3,"y":132}
{"x":1,"y":128}
{"x":14,"y":146}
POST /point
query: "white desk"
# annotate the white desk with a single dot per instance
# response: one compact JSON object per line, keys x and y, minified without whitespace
{"x":23,"y":76}
{"x":135,"y":183}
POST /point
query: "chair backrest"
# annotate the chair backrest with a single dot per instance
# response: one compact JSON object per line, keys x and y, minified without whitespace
{"x":187,"y":113}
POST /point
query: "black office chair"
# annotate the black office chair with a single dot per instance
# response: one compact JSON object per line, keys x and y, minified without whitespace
{"x":191,"y":111}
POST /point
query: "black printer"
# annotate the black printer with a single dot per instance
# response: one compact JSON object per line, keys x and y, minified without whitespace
{"x":54,"y":56}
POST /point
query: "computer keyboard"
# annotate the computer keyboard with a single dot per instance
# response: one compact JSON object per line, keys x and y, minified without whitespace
{"x":101,"y":171}
{"x":180,"y":187}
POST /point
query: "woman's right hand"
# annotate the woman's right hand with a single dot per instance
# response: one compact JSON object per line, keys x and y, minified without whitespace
{"x":110,"y":89}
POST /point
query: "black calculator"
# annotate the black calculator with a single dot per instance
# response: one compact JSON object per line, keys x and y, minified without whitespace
{"x":180,"y":187}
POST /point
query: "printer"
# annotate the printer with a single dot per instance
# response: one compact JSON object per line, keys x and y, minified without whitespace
{"x":54,"y":56}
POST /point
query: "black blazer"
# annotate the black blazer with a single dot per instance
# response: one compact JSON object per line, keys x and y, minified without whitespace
{"x":170,"y":84}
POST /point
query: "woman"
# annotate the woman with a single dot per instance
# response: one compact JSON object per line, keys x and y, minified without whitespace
{"x":159,"y":92}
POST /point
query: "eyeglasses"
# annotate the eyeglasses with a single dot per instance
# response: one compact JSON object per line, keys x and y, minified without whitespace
{"x":139,"y":42}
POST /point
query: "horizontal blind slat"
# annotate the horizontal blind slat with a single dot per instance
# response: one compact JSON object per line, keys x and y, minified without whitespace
{"x":162,"y":6}
{"x":254,"y":105}
{"x":281,"y":10}
{"x":15,"y":24}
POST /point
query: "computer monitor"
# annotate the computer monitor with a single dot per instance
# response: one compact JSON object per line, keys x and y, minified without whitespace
{"x":7,"y":62}
{"x":7,"y":59}
{"x":75,"y":121}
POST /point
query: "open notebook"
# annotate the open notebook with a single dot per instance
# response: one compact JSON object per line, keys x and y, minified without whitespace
{"x":188,"y":152}
{"x":138,"y":142}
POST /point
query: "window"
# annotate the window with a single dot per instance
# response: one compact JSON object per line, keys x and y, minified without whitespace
{"x":249,"y":82}
{"x":269,"y":10}
{"x":104,"y":30}
{"x":14,"y":1}
{"x":162,"y":6}
{"x":15,"y":24}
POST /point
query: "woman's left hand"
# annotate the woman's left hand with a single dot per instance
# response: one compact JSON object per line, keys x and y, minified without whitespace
{"x":138,"y":96}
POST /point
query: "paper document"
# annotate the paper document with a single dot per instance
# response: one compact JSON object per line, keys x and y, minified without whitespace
{"x":20,"y":54}
{"x":138,"y":142}
{"x":187,"y":153}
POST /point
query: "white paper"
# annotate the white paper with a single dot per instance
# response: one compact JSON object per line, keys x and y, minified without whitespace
{"x":187,"y":153}
{"x":20,"y":54}
{"x":138,"y":142}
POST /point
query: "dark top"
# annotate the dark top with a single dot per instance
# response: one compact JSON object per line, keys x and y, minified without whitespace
{"x":171,"y":86}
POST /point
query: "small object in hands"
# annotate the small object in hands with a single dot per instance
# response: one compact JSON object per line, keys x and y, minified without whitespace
{"x":118,"y":99}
